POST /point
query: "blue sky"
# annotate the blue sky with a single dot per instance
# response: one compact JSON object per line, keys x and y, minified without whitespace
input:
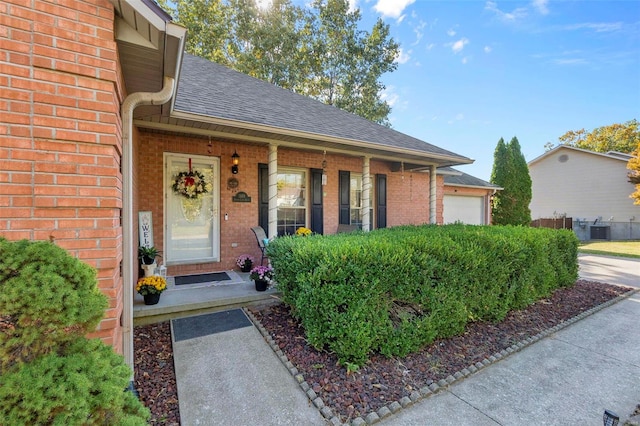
{"x":472,"y":71}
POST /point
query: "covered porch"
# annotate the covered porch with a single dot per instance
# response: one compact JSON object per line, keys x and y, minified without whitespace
{"x":198,"y":298}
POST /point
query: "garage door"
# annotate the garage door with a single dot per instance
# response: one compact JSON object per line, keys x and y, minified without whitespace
{"x":469,"y":210}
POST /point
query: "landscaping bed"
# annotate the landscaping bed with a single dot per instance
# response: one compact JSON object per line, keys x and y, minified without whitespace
{"x":380,"y":381}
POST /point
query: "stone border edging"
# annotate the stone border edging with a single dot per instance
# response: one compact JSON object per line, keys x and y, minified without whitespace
{"x":426,"y":391}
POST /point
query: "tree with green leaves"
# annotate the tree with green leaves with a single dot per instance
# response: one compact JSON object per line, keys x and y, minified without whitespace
{"x":510,"y":171}
{"x":347,"y":63}
{"x":318,"y":50}
{"x":615,"y":137}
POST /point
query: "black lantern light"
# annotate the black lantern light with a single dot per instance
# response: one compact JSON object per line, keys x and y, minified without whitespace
{"x":235,"y":159}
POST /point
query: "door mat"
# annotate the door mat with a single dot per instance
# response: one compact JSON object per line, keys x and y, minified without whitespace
{"x":201,"y":278}
{"x":204,"y":325}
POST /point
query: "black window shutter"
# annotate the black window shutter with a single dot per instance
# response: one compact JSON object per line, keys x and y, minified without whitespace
{"x":344,"y":193}
{"x":381,"y":201}
{"x":317,"y":225}
{"x":263,"y":197}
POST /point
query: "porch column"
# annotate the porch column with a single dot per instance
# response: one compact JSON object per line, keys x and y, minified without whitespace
{"x":433,"y":196}
{"x":273,"y":191}
{"x":366,"y":195}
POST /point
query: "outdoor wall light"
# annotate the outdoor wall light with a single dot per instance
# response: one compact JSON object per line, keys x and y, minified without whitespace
{"x":610,"y":418}
{"x":235,"y":159}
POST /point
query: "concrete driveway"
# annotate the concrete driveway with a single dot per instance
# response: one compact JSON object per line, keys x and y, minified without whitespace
{"x":610,"y":269}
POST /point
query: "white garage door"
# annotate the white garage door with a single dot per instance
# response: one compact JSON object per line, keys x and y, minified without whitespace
{"x":469,"y":210}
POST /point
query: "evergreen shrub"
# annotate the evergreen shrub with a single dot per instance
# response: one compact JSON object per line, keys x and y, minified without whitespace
{"x":50,"y":373}
{"x":395,"y":290}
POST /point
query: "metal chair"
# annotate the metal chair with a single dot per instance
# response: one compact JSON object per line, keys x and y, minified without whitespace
{"x":261,"y":238}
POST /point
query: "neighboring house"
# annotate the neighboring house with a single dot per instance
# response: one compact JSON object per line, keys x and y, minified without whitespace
{"x":101,"y":109}
{"x":590,"y":187}
{"x":467,"y":199}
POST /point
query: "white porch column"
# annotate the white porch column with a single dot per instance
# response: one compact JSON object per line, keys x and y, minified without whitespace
{"x":273,"y":191}
{"x":366,"y":195}
{"x":433,"y":196}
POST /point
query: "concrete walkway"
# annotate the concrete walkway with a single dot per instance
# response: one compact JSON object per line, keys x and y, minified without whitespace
{"x":567,"y":378}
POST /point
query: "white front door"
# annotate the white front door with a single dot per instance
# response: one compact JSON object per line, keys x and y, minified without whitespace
{"x":192,"y":226}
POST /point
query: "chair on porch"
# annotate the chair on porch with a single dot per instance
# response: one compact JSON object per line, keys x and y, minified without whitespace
{"x":262,"y":239}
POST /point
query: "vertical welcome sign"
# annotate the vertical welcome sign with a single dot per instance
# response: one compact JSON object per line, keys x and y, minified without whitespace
{"x":145,"y":229}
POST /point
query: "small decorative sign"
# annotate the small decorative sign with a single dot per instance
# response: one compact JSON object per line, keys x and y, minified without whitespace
{"x":241,"y":197}
{"x":145,"y":229}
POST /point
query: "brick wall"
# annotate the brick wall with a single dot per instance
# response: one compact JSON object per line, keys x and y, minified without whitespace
{"x":408,"y":194}
{"x":60,"y":136}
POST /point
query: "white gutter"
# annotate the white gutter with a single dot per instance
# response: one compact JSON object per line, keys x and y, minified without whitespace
{"x":128,"y":255}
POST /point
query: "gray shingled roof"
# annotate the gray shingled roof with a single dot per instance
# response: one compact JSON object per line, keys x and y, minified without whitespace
{"x":466,"y":180}
{"x":213,"y":90}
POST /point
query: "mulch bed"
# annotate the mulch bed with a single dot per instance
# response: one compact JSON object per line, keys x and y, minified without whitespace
{"x":381,"y":380}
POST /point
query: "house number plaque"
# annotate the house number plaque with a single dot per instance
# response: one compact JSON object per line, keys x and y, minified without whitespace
{"x":241,"y":197}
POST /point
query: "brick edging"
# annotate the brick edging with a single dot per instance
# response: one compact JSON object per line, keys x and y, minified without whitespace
{"x":426,"y":391}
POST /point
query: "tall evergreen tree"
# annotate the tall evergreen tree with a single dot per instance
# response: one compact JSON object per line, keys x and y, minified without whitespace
{"x":521,"y":185}
{"x":510,"y":171}
{"x":499,"y":176}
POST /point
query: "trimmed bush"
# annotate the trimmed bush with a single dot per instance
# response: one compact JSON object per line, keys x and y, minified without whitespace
{"x":49,"y":372}
{"x":394,"y":290}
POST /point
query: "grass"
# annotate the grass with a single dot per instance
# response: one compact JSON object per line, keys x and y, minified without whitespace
{"x":612,"y":248}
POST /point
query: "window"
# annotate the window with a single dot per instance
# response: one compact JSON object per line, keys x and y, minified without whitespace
{"x":291,"y":201}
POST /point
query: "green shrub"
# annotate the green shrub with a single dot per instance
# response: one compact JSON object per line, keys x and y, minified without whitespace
{"x":395,"y":290}
{"x":50,"y":373}
{"x":83,"y":384}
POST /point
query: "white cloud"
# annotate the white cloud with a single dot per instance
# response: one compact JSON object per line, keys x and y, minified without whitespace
{"x":431,"y":46}
{"x":419,"y":31}
{"x":390,"y":96}
{"x":603,"y":27}
{"x":451,"y":32}
{"x":458,"y":117}
{"x":487,"y":49}
{"x":541,"y":6}
{"x":465,"y":59}
{"x":516,"y":14}
{"x":392,"y":8}
{"x":571,"y":61}
{"x":353,"y":5}
{"x":459,"y":45}
{"x":403,"y":57}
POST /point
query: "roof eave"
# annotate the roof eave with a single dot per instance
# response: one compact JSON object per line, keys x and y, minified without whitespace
{"x":443,"y":160}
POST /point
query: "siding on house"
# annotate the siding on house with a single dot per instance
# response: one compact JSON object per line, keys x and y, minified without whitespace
{"x":582,"y":184}
{"x":60,"y":144}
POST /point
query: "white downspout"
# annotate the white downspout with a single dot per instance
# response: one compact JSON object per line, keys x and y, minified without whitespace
{"x":128,"y":255}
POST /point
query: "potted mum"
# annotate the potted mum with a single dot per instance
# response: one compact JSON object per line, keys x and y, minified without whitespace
{"x":245,"y":262}
{"x":150,"y":288}
{"x":303,"y":232}
{"x":261,"y":275}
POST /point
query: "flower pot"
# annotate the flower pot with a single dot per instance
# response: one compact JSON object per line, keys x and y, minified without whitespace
{"x":149,"y":270}
{"x":261,"y":285}
{"x":151,"y":299}
{"x":247,"y":267}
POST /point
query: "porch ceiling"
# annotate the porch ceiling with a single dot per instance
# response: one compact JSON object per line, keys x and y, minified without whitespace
{"x":180,"y":126}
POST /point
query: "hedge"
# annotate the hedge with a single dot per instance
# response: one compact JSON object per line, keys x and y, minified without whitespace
{"x":395,"y":290}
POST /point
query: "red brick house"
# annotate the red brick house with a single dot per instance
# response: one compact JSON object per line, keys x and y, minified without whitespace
{"x":101,"y":110}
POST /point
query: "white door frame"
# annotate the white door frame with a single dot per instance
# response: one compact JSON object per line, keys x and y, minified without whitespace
{"x":214,"y":163}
